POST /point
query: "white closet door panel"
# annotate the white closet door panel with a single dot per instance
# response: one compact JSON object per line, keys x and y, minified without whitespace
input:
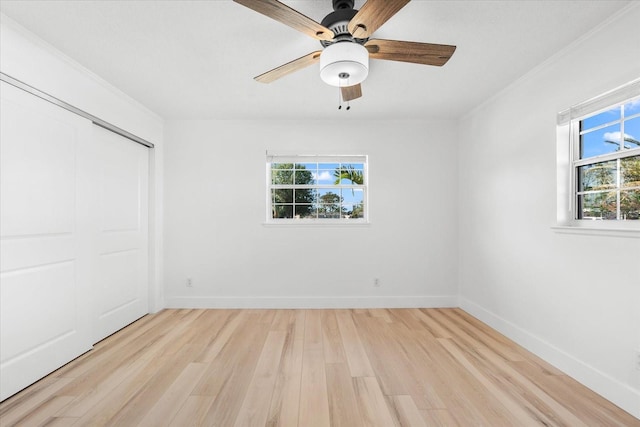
{"x":30,"y":294}
{"x":38,"y":174}
{"x":45,"y":237}
{"x":20,"y":252}
{"x":121,"y":267}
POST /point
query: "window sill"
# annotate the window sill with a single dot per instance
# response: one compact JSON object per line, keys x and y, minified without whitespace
{"x":589,"y":230}
{"x":318,"y":224}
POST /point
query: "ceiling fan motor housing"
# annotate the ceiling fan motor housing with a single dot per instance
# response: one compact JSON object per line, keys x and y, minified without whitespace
{"x":338,"y":22}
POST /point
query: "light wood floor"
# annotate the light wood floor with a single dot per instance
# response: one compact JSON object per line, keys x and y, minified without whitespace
{"x":410,"y":367}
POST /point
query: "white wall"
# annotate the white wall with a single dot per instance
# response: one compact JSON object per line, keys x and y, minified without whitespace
{"x":215,"y":209}
{"x":574,"y":299}
{"x":25,"y":57}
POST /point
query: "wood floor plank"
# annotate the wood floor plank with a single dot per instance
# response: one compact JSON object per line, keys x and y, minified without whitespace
{"x":220,"y":340}
{"x":112,"y":391}
{"x":381,"y":313}
{"x":364,"y":367}
{"x":517,"y":413}
{"x":107,"y":354}
{"x":255,"y":408}
{"x":282,"y":320}
{"x":473,"y":337}
{"x":285,"y":402}
{"x":16,"y":408}
{"x":173,"y":362}
{"x":60,"y":422}
{"x":439,"y":418}
{"x":42,"y":413}
{"x":388,"y":356}
{"x":232,"y":377}
{"x":477,"y":325}
{"x":343,"y":404}
{"x":192,"y":411}
{"x":411,"y":322}
{"x":357,"y":358}
{"x":562,"y":412}
{"x":372,"y":404}
{"x":314,"y":400}
{"x":457,"y":388}
{"x":332,"y":340}
{"x":432,"y":326}
{"x":168,"y":405}
{"x":408,"y":413}
{"x":100,"y":367}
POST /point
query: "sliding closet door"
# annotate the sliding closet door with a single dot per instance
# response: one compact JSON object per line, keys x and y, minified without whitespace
{"x":121,"y":264}
{"x":45,"y":237}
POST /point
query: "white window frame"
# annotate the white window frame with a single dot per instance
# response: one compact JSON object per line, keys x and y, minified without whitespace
{"x":317,"y":158}
{"x":568,"y":162}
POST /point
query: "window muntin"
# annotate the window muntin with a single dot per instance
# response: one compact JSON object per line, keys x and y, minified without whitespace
{"x":607,"y":168}
{"x":324,"y":189}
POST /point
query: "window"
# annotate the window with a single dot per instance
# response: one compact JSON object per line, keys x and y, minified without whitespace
{"x":607,"y":163}
{"x":599,"y":161}
{"x":316,"y":189}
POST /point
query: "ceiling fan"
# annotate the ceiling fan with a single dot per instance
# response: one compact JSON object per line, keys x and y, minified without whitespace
{"x":345,"y":36}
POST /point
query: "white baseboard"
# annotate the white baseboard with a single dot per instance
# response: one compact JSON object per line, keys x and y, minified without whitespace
{"x":611,"y":389}
{"x":313,"y":302}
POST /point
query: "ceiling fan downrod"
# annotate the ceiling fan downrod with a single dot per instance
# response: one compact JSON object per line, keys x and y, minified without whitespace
{"x":343,"y":4}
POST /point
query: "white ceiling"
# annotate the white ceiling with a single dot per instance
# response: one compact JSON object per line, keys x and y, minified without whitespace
{"x":197,"y":59}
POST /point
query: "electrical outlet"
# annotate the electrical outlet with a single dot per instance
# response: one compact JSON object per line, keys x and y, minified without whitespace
{"x":376,"y":282}
{"x":189,"y":282}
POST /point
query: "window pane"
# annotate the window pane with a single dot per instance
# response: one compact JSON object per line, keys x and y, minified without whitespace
{"x":630,"y":172}
{"x":329,"y":204}
{"x":282,"y":175}
{"x":600,"y":206}
{"x":328,"y":166}
{"x":304,"y":177}
{"x":632,"y":133}
{"x":352,"y":203}
{"x":356,"y":166}
{"x":353,"y":211}
{"x":282,"y":211}
{"x":281,"y":165}
{"x":328,"y":211}
{"x":598,"y":176}
{"x":307,"y":166}
{"x":601,"y":141}
{"x":305,"y":195}
{"x":326,"y":176}
{"x":630,"y":204}
{"x":282,"y":196}
{"x":352,"y":195}
{"x":602,"y":118}
{"x":305,"y":211}
{"x":351,"y":174}
{"x":632,"y":108}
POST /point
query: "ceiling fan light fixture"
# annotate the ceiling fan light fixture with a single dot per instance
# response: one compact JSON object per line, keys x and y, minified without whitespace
{"x":344,"y":64}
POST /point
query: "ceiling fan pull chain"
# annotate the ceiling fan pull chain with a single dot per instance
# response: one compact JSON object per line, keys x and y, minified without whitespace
{"x":339,"y":98}
{"x":348,"y":100}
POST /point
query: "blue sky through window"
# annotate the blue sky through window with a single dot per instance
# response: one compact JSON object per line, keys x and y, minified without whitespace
{"x":610,"y":138}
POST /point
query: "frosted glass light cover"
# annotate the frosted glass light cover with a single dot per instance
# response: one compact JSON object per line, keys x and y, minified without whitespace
{"x":344,"y":64}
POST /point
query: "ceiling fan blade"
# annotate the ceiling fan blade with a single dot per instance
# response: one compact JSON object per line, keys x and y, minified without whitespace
{"x":372,"y":15}
{"x":288,"y":16}
{"x":417,"y":53}
{"x":289,"y":67}
{"x":349,"y":93}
